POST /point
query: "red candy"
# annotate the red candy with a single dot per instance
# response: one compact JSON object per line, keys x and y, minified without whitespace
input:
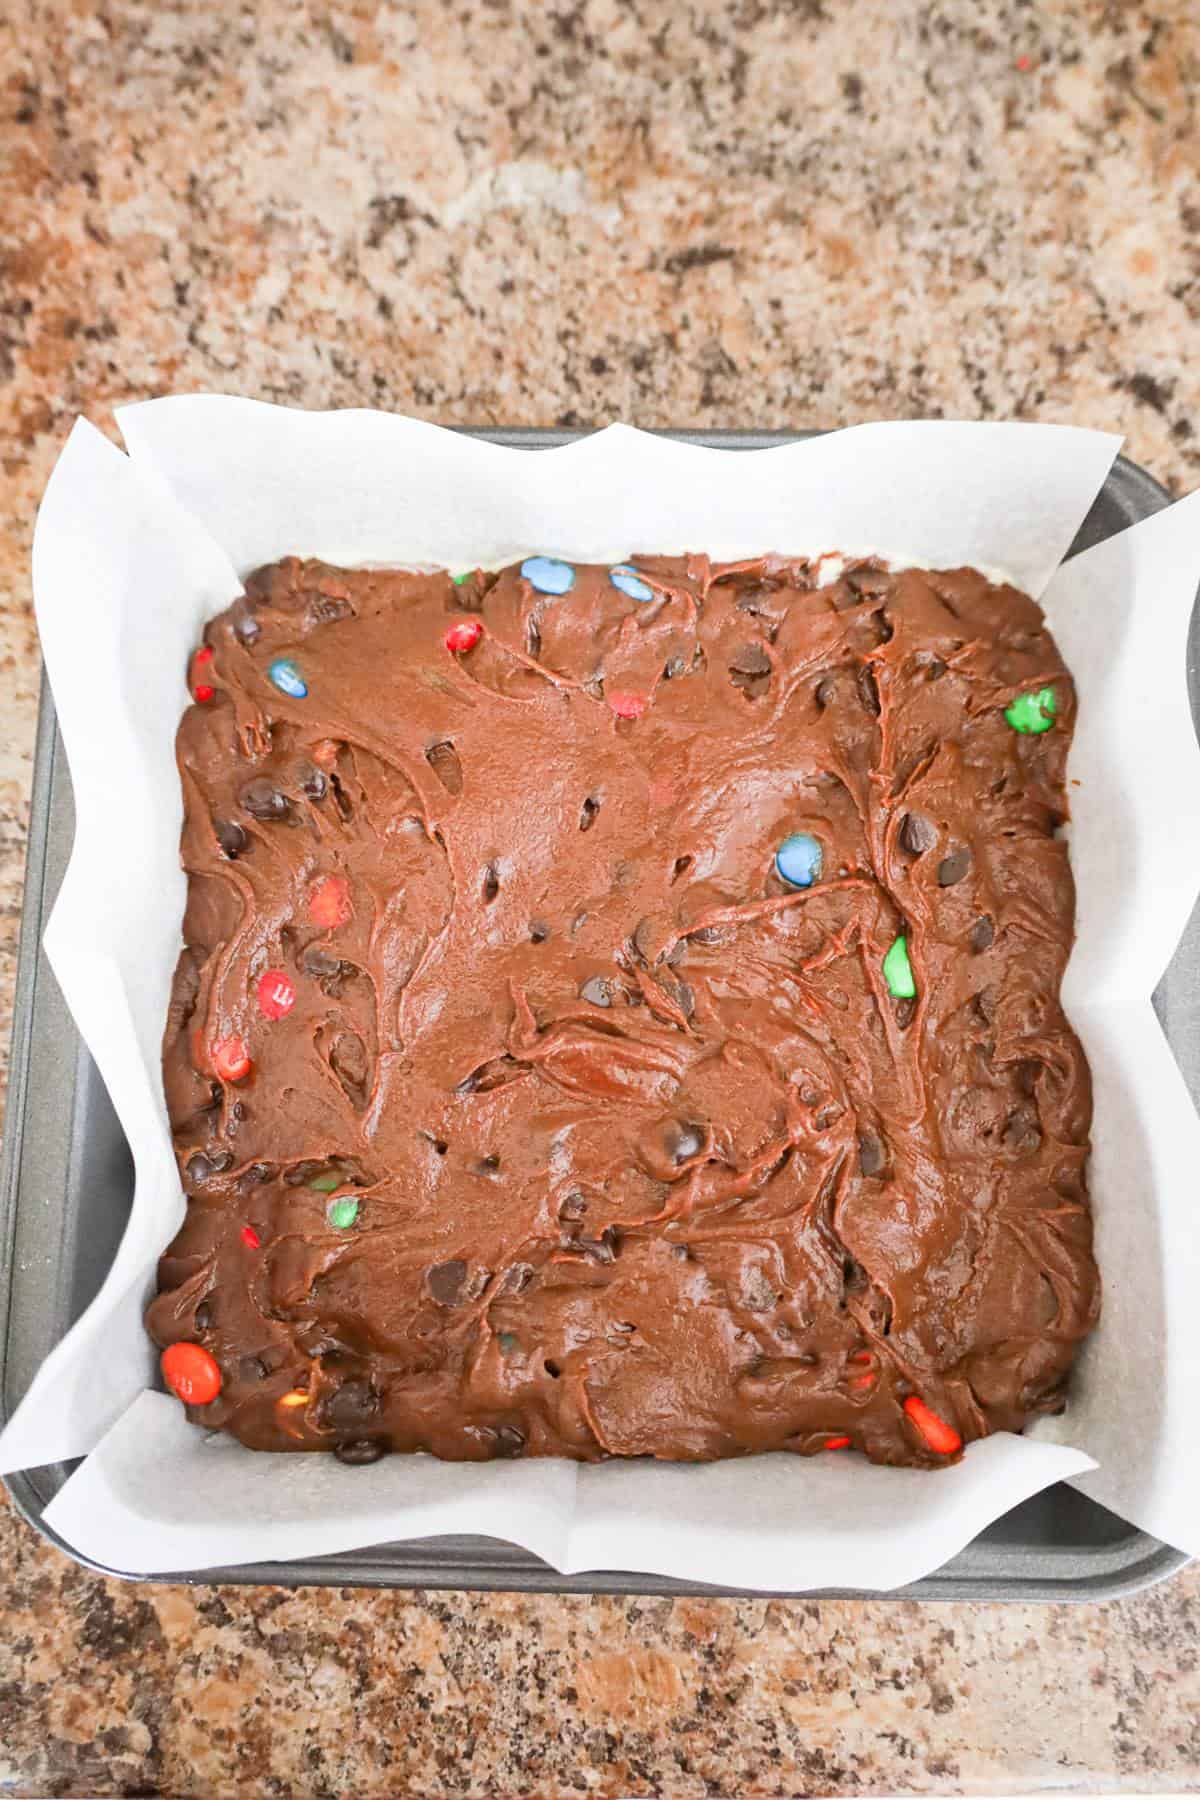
{"x":251,"y":1238}
{"x":628,"y":706}
{"x":465,"y":635}
{"x":191,"y":1373}
{"x":840,"y":1443}
{"x":941,"y":1437}
{"x":276,"y":994}
{"x":329,"y":902}
{"x":230,"y":1059}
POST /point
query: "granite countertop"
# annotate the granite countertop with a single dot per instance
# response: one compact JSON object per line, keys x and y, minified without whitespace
{"x":757,"y":212}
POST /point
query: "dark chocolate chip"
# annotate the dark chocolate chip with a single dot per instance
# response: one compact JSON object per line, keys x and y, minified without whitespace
{"x":868,"y":690}
{"x":491,"y":883}
{"x":263,"y":800}
{"x":869,"y":581}
{"x":246,"y":628}
{"x":906,"y":1008}
{"x":587,"y":813}
{"x":750,"y":659}
{"x":685,"y":999}
{"x":982,"y":933}
{"x":253,"y":1368}
{"x":935,"y":668}
{"x":212,"y":1162}
{"x":509,"y":1441}
{"x":1023,"y":1131}
{"x":573,"y":1207}
{"x":643,"y":938}
{"x":302,"y":1172}
{"x":673,"y":668}
{"x":539,"y":931}
{"x":351,"y":1404}
{"x":443,"y":760}
{"x":489,"y":1164}
{"x":917,"y":833}
{"x":360,"y":1451}
{"x":757,"y":1294}
{"x":446,"y":1281}
{"x":323,"y":609}
{"x":231,"y":837}
{"x":872,"y":1156}
{"x":255,"y":1175}
{"x":313,"y":783}
{"x":596,"y":991}
{"x":826,"y":692}
{"x":517,"y":1278}
{"x":952,"y":868}
{"x":204,"y":1316}
{"x":602,"y":1249}
{"x":985,"y":1004}
{"x":685,"y":1141}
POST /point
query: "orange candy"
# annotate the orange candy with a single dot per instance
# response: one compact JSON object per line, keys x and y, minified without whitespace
{"x":191,"y":1373}
{"x":329,"y":903}
{"x":940,"y":1437}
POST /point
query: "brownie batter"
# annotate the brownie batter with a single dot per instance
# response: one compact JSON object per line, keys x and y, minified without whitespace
{"x":524,"y":1108}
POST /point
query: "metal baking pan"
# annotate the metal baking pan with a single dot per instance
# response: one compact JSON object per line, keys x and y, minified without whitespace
{"x":66,"y":1186}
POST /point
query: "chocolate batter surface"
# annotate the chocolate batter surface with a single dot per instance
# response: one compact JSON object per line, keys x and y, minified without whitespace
{"x":586,"y":1134}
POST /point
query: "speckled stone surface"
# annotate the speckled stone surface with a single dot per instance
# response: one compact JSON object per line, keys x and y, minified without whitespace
{"x":740,"y":213}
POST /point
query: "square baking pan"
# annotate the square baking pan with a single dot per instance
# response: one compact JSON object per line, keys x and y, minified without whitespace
{"x":66,"y":1187}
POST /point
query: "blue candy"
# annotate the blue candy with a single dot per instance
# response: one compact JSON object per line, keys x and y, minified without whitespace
{"x":287,"y":678}
{"x":798,"y":860}
{"x":630,"y":582}
{"x":548,"y":575}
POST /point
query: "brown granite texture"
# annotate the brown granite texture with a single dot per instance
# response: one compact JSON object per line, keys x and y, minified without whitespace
{"x":749,"y":213}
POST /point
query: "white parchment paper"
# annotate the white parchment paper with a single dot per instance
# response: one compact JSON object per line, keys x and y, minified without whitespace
{"x":133,"y":553}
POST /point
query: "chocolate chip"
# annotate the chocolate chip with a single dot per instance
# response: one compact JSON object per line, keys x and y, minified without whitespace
{"x":446,"y":1281}
{"x":204,"y":1316}
{"x":231,"y":837}
{"x":685,"y":999}
{"x":509,"y":1441}
{"x":750,"y":659}
{"x":596,"y":991}
{"x":263,"y":800}
{"x":643,"y":938}
{"x":323,"y":609}
{"x":517,"y":1278}
{"x":872,"y":1157}
{"x":982,"y":933}
{"x":214,"y":1162}
{"x":539,"y":931}
{"x":685,"y":1141}
{"x":935,"y":668}
{"x":952,"y":868}
{"x":869,"y":581}
{"x":757,"y":1294}
{"x":313,"y":783}
{"x":246,"y":628}
{"x":573,"y":1207}
{"x":587,"y":813}
{"x":602,"y":1249}
{"x":917,"y":833}
{"x":351,"y":1404}
{"x":255,"y":1175}
{"x":985,"y":1004}
{"x":868,"y":690}
{"x":253,"y":1368}
{"x":443,"y":760}
{"x":357,"y":1452}
{"x":826,"y":692}
{"x":906,"y":1008}
{"x":673,"y":668}
{"x":1023,"y":1131}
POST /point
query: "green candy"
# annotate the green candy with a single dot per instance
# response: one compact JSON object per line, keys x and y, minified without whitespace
{"x":897,"y":971}
{"x":342,"y":1213}
{"x":507,"y":1341}
{"x":465,"y":576}
{"x":325,"y":1184}
{"x":1032,"y":713}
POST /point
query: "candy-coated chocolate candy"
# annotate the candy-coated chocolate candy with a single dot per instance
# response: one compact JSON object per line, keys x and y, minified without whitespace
{"x":798,"y":860}
{"x":506,"y":1342}
{"x":837,"y":1443}
{"x":251,"y":1238}
{"x":897,"y":971}
{"x":1032,"y":713}
{"x":296,"y":1397}
{"x":325,"y":1184}
{"x":628,"y":706}
{"x":204,"y":654}
{"x":191,"y":1373}
{"x":940,"y":1436}
{"x":342,"y":1213}
{"x":287,"y":678}
{"x":548,"y":575}
{"x":203,"y":691}
{"x":329,"y":903}
{"x":630,"y":582}
{"x":276,"y":994}
{"x":465,"y":576}
{"x":464,"y":635}
{"x":230,"y":1059}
